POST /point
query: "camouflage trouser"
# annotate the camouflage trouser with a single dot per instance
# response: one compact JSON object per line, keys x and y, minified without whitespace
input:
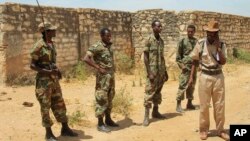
{"x":183,"y":81}
{"x":104,"y":94}
{"x":49,"y":95}
{"x":153,"y":91}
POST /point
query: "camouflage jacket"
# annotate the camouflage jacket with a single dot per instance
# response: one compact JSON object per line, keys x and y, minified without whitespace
{"x":103,"y":55}
{"x":155,"y":49}
{"x":45,"y":55}
{"x":184,"y":48}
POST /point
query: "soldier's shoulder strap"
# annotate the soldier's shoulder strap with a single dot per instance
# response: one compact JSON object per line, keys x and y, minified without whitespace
{"x":202,"y":44}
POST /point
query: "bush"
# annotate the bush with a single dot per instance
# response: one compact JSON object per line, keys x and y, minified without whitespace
{"x":122,"y":102}
{"x":123,"y":63}
{"x":77,"y":118}
{"x":239,"y":55}
{"x":80,"y":72}
{"x":244,"y":55}
{"x":20,"y":79}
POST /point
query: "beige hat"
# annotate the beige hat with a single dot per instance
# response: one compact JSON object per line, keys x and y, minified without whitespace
{"x":46,"y":26}
{"x":212,"y":26}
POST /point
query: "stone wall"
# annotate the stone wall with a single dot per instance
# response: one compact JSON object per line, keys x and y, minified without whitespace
{"x":92,"y":20}
{"x":2,"y":49}
{"x":235,"y":30}
{"x":78,"y":29}
{"x":141,"y":23}
{"x":19,"y":33}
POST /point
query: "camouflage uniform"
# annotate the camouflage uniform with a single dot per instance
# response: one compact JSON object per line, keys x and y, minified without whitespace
{"x":184,"y":48}
{"x":105,"y":83}
{"x":158,"y":68}
{"x":48,"y":90}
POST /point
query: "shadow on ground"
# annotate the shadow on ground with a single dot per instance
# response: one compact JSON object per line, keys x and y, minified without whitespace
{"x":80,"y":137}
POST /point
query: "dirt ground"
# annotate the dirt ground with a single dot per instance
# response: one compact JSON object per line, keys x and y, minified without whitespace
{"x":20,"y":123}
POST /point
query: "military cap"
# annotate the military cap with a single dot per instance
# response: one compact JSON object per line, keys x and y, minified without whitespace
{"x":46,"y":26}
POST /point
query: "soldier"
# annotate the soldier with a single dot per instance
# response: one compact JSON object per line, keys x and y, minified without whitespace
{"x":156,"y":72}
{"x":184,"y":48}
{"x":100,"y":57}
{"x":211,"y":53}
{"x":48,"y":90}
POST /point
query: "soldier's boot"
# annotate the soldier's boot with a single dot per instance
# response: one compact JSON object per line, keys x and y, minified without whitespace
{"x":178,"y":107}
{"x":49,"y":136}
{"x":190,"y":105}
{"x":66,"y":131}
{"x":156,"y":114}
{"x":109,"y":121}
{"x":146,"y":117}
{"x":101,"y":126}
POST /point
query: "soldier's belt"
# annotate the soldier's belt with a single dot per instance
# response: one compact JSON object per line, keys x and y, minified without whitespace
{"x":40,"y":74}
{"x":47,"y":66}
{"x":216,"y":72}
{"x":43,"y":74}
{"x":43,"y":66}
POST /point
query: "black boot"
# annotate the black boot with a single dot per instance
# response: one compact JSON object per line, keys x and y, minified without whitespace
{"x":178,"y":107}
{"x":146,"y":117}
{"x":156,"y":114}
{"x":66,"y":131}
{"x":49,"y":136}
{"x":190,"y":105}
{"x":109,"y":121}
{"x":101,"y":126}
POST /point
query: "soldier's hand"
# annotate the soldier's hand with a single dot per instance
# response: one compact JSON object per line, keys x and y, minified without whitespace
{"x":55,"y":71}
{"x":151,"y":77}
{"x":101,"y":70}
{"x":166,"y":76}
{"x":59,"y":74}
{"x":217,"y":42}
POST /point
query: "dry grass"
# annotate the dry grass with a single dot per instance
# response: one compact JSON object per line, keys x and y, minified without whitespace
{"x":122,"y":102}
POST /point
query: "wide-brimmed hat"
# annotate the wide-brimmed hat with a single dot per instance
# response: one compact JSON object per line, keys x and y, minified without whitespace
{"x":46,"y":26}
{"x":212,"y":26}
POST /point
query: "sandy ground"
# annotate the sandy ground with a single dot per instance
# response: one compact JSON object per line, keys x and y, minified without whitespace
{"x":20,"y":123}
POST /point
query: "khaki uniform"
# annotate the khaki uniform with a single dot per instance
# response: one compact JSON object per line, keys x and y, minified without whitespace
{"x":158,"y":68}
{"x":105,"y":83}
{"x":184,"y":48}
{"x":211,"y":84}
{"x":48,"y":90}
